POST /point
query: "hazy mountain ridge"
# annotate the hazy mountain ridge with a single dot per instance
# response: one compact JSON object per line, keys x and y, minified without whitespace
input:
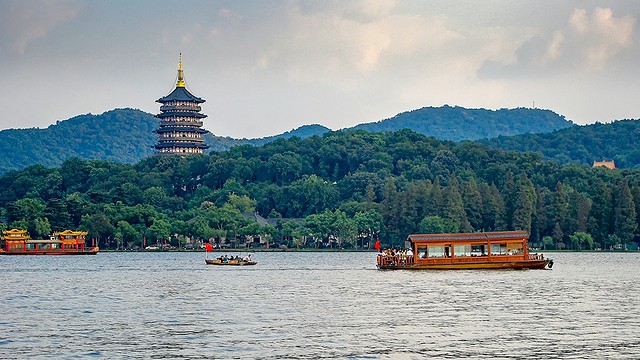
{"x":126,"y":135}
{"x":458,"y":123}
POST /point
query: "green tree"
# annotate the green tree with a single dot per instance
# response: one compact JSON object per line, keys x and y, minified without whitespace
{"x":625,"y":214}
{"x":41,"y":228}
{"x":509,"y":195}
{"x":559,"y":210}
{"x":454,"y":209}
{"x":368,"y":224}
{"x":524,"y":207}
{"x":126,"y":234}
{"x":436,"y":225}
{"x":472,"y":200}
{"x":580,"y":240}
{"x":98,"y":227}
{"x":159,"y":231}
{"x":601,"y":214}
{"x":345,"y":229}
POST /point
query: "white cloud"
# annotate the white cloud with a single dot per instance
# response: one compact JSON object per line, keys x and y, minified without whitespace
{"x":554,"y":48}
{"x":602,"y":35}
{"x":579,"y":21}
{"x":363,"y":36}
{"x":587,"y":42}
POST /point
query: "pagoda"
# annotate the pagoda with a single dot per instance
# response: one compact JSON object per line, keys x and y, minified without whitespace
{"x":180,"y":130}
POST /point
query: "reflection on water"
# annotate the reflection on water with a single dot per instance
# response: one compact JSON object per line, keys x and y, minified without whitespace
{"x":315,"y":305}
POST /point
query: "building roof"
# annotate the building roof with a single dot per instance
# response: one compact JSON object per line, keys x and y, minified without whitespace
{"x":181,"y":113}
{"x":180,"y":93}
{"x":166,"y":129}
{"x":608,"y":164}
{"x":505,"y":235}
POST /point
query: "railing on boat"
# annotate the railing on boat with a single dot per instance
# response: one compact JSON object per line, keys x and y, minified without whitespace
{"x":409,"y":260}
{"x":395,"y":260}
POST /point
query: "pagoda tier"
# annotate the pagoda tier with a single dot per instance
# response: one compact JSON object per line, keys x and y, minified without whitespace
{"x":180,"y":130}
{"x":174,"y":115}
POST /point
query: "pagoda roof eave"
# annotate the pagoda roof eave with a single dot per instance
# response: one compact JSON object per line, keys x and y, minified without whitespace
{"x":180,"y":94}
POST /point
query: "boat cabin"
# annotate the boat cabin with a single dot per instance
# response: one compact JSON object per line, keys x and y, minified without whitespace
{"x":468,"y":250}
{"x":471,"y":247}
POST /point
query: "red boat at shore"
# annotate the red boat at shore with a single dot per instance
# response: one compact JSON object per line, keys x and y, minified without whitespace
{"x":18,"y":242}
{"x":489,"y":250}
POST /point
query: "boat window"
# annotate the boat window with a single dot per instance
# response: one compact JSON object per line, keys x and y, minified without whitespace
{"x":435,"y":251}
{"x":479,"y":250}
{"x":498,"y":249}
{"x":462,"y":250}
{"x":422,"y":252}
{"x":514,"y":249}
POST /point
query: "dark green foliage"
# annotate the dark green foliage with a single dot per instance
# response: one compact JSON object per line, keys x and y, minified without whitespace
{"x":581,"y":144}
{"x":624,"y":219}
{"x":343,"y":189}
{"x":122,"y":135}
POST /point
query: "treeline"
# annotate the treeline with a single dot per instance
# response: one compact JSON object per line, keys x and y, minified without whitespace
{"x":581,"y":144}
{"x":343,"y":189}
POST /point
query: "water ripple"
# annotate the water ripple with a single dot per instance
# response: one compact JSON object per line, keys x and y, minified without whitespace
{"x":315,"y":305}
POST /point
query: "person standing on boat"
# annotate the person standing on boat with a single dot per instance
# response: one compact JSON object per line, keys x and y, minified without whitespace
{"x":409,"y":256}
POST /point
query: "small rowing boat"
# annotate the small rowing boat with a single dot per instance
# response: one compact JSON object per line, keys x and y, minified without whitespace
{"x":229,"y":262}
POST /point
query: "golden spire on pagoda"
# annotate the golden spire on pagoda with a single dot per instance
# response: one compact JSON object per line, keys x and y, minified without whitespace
{"x":180,"y":74}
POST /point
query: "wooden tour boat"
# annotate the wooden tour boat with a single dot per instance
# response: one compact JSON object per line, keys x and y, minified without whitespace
{"x":229,"y":262}
{"x":489,"y":250}
{"x":18,"y":242}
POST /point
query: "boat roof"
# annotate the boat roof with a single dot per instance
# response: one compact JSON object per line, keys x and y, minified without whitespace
{"x":47,"y":241}
{"x":496,"y":235}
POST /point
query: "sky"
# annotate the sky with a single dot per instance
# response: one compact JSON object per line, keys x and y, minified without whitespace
{"x":266,"y":67}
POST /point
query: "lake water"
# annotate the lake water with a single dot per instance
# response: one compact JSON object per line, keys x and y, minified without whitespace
{"x":315,"y":306}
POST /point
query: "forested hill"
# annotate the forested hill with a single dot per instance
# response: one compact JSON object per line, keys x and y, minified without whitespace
{"x":616,"y":141}
{"x":120,"y":135}
{"x":457,"y":123}
{"x":126,"y":135}
{"x":343,"y":189}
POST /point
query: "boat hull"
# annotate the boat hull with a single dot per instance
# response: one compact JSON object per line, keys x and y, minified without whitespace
{"x":522,"y":264}
{"x":229,"y":263}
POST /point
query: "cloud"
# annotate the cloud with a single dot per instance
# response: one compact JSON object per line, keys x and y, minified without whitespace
{"x":588,"y":42}
{"x":362,"y":36}
{"x":601,"y":35}
{"x":21,"y":22}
